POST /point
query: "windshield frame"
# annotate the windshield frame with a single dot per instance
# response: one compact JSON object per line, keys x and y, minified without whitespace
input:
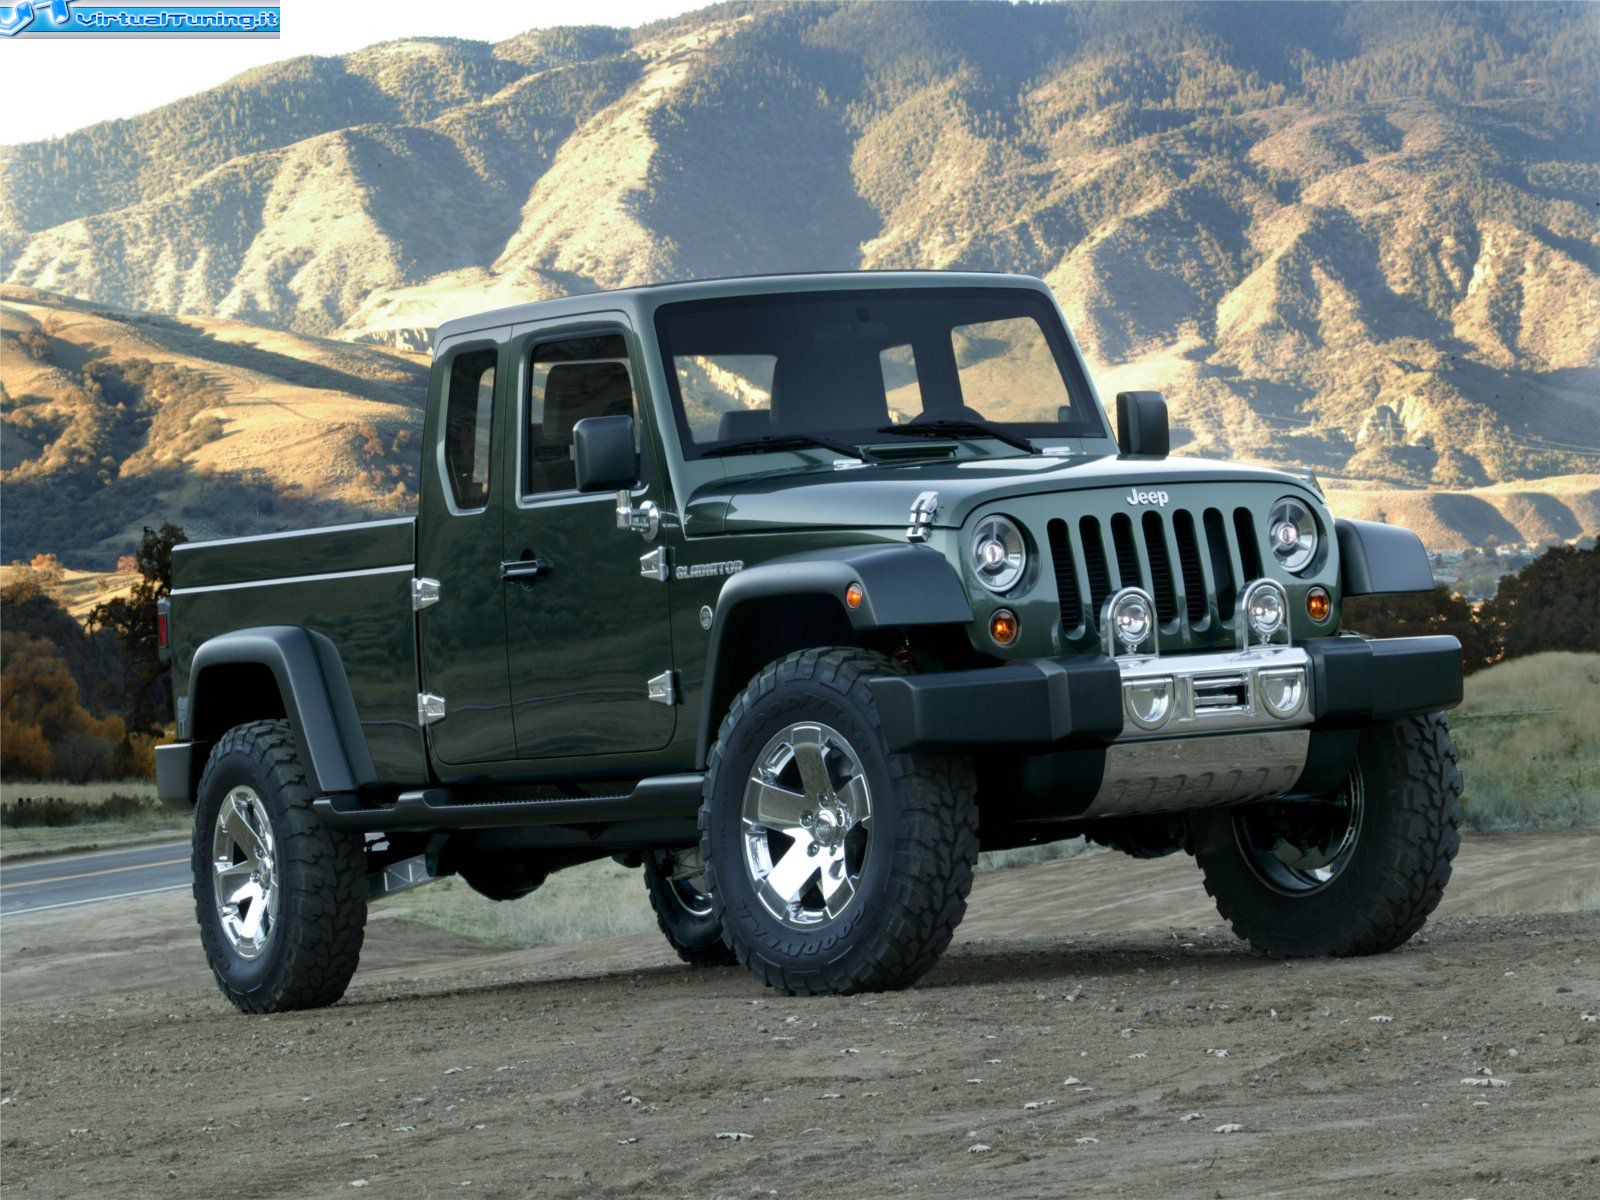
{"x":1035,"y":302}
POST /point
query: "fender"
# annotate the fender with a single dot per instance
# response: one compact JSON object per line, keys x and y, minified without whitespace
{"x":903,"y":586}
{"x":315,"y":691}
{"x":1376,"y":559}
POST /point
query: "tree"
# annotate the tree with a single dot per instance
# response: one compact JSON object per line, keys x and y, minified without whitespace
{"x":45,"y":732}
{"x":1414,"y":614}
{"x":137,"y":686}
{"x":1551,"y":604}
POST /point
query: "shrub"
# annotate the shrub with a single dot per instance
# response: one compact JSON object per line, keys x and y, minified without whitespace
{"x":46,"y":811}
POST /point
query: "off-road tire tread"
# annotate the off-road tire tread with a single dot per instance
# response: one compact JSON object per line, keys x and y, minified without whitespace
{"x":936,"y":850}
{"x":1418,"y":863}
{"x":323,"y":872}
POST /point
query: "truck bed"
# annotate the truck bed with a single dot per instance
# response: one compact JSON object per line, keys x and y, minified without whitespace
{"x":349,"y":583}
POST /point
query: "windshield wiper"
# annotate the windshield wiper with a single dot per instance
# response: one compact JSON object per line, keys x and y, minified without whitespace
{"x":961,"y":429}
{"x":788,"y":441}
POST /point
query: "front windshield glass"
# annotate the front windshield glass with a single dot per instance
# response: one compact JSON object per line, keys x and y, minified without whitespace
{"x":847,"y":365}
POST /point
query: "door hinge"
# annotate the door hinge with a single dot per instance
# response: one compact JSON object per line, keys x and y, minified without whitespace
{"x":424,"y":594}
{"x":663,"y":689}
{"x":655,"y":565}
{"x":430,"y":708}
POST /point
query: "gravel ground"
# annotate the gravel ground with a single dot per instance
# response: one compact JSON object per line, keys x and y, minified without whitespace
{"x":1071,"y":1041}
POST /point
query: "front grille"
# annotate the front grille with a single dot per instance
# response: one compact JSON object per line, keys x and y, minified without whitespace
{"x":1216,"y":554}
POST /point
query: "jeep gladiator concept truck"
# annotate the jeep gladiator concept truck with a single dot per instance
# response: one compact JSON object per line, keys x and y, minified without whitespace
{"x":796,"y":592}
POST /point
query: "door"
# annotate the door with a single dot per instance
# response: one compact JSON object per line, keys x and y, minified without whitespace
{"x":587,"y":632}
{"x":462,"y":633}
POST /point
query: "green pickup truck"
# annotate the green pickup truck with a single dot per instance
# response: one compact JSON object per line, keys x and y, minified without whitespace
{"x":796,"y":592}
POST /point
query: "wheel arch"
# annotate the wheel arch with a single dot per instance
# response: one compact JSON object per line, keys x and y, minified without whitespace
{"x":798,"y":601}
{"x":282,"y":672}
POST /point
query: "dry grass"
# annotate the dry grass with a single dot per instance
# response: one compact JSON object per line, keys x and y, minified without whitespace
{"x":90,"y":829}
{"x":1530,"y":744}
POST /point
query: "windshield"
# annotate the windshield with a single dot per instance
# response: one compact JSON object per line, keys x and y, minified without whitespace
{"x":852,"y":366}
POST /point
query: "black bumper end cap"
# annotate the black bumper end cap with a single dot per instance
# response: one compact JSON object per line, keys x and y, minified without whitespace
{"x":1044,"y":702}
{"x":1356,"y":681}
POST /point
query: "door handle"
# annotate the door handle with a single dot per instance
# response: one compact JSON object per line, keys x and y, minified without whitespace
{"x":525,"y":570}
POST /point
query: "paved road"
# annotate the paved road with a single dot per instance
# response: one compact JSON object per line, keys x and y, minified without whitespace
{"x":51,"y":883}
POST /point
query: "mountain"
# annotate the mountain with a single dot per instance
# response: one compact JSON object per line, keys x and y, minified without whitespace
{"x":1363,"y":238}
{"x":111,"y":421}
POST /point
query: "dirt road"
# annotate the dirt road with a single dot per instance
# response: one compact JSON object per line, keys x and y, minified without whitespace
{"x":1085,"y":1036}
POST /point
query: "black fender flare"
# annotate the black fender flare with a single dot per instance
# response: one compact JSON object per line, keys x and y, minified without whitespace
{"x":315,"y":691}
{"x":903,"y":586}
{"x":1377,"y":559}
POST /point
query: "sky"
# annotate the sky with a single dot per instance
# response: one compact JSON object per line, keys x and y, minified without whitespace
{"x":119,"y":77}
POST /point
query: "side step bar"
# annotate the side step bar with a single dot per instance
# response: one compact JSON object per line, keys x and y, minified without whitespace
{"x":666,"y":797}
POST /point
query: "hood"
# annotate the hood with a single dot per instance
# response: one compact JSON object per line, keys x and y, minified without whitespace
{"x":881,"y":496}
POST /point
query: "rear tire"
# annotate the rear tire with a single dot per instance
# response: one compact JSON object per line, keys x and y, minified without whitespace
{"x":685,"y":912}
{"x":1371,"y":886}
{"x":894,"y":836}
{"x":287,"y":933}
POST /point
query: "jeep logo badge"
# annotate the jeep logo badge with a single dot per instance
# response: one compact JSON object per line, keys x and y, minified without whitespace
{"x":1135,"y":496}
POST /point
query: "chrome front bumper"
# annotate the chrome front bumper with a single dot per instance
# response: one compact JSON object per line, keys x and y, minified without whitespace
{"x":1186,"y":695}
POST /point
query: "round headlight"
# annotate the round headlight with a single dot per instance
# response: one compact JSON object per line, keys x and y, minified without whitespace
{"x":999,"y":556}
{"x":1292,"y":531}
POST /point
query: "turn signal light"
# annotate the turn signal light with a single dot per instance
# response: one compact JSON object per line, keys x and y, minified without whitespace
{"x":1318,"y":604}
{"x":1003,"y":627}
{"x":854,"y":595}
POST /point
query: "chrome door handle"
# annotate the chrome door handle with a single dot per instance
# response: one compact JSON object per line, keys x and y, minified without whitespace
{"x":525,"y":570}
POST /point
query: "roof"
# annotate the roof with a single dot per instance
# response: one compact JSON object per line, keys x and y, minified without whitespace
{"x":649,"y":297}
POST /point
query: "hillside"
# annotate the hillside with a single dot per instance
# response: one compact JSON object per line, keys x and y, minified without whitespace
{"x":110,"y":421}
{"x":1360,"y":238}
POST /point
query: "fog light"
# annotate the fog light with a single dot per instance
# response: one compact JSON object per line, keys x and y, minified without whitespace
{"x":1266,"y":612}
{"x":1282,"y":692}
{"x":1003,"y":627}
{"x":1128,"y":622}
{"x":1318,"y":604}
{"x":1148,"y":702}
{"x":1131,"y":620}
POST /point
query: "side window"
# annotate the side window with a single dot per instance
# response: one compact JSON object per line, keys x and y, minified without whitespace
{"x":1009,"y":373}
{"x":568,"y":381}
{"x":726,"y":396}
{"x":468,"y":421}
{"x":900,"y":383}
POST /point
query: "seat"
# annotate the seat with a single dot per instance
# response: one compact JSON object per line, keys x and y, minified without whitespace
{"x":737,"y":424}
{"x":814,"y":391}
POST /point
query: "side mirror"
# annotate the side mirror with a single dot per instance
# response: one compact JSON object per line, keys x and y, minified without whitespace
{"x":602,"y":449}
{"x":603,"y":453}
{"x":1142,"y":424}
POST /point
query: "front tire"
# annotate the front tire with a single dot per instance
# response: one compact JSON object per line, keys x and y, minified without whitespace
{"x":834,"y":865}
{"x":281,"y":899}
{"x":1358,"y":875}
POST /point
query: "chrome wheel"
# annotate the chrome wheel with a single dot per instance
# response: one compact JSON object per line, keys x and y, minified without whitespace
{"x":245,"y":872}
{"x":1298,"y":848}
{"x":807,"y":821}
{"x":685,"y":873}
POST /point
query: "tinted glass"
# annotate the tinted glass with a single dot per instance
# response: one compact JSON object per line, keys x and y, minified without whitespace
{"x":845,"y":364}
{"x":468,"y":426}
{"x":568,"y":381}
